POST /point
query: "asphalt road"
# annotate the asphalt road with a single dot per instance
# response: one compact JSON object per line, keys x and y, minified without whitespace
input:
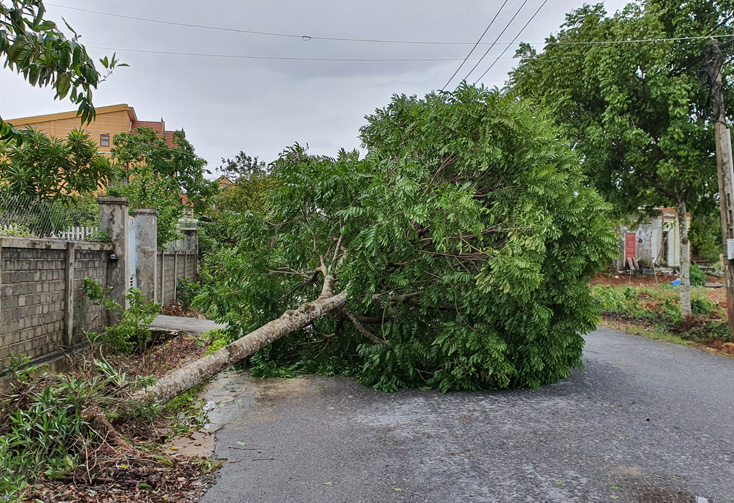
{"x":644,"y":422}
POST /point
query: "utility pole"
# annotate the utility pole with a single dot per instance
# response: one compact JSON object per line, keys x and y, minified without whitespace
{"x":726,"y":176}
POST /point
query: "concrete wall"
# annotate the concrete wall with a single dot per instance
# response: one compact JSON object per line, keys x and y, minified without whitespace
{"x":172,"y":267}
{"x":42,"y":306}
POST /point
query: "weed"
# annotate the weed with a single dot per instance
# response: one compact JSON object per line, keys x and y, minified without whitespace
{"x":131,"y":333}
{"x":43,"y":434}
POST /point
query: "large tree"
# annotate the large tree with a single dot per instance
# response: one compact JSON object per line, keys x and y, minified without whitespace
{"x":456,"y":255}
{"x":167,"y":177}
{"x":637,"y":112}
{"x":36,"y":48}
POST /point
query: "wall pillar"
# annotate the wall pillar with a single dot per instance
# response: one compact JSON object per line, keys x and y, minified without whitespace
{"x":69,"y":289}
{"x":113,"y":220}
{"x":146,"y":250}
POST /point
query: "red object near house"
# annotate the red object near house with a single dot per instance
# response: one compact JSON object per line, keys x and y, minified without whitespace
{"x":630,"y":245}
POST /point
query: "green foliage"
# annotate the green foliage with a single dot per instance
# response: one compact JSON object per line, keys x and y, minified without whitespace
{"x":465,"y":240}
{"x":168,"y":178}
{"x":702,"y":306}
{"x":250,"y":181}
{"x":53,"y":169}
{"x":38,"y":50}
{"x":98,"y":236}
{"x":705,"y":232}
{"x":657,"y":307}
{"x":186,"y":292}
{"x":45,"y":435}
{"x":698,"y":277}
{"x":131,"y":332}
{"x":218,"y":338}
{"x":19,"y":231}
{"x":637,"y":113}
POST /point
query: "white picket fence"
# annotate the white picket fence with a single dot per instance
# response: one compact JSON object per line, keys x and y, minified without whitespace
{"x":73,"y":234}
{"x":76,"y":233}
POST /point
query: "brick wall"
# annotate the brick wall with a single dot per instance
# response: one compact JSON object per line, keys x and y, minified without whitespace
{"x":172,"y":267}
{"x":87,"y":315}
{"x":31,"y":302}
{"x":38,"y":317}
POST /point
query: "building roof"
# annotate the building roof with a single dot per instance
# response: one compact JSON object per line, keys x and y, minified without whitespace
{"x":73,"y":114}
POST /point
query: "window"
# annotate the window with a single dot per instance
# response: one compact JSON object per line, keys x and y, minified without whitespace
{"x":104,"y":140}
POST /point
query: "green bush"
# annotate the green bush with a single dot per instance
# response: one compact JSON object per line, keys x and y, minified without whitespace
{"x":698,"y":277}
{"x":702,"y":306}
{"x":610,"y":299}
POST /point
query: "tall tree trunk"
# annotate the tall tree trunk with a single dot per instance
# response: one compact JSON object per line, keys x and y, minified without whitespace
{"x":685,"y":262}
{"x":196,"y":372}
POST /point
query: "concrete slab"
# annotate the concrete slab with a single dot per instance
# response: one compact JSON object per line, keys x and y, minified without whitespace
{"x":183,"y":324}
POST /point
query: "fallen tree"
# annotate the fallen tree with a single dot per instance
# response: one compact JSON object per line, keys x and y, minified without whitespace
{"x":462,"y":246}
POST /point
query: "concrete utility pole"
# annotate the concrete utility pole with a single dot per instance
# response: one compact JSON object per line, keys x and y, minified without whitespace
{"x":726,"y":176}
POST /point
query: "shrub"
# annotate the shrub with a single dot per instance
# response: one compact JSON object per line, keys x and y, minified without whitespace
{"x":186,"y":292}
{"x":698,"y":277}
{"x":131,"y":333}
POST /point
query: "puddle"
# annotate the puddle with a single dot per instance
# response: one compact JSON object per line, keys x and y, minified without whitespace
{"x":197,"y":443}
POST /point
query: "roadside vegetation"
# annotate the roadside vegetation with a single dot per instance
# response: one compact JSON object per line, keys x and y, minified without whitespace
{"x":653,"y":310}
{"x":80,"y":436}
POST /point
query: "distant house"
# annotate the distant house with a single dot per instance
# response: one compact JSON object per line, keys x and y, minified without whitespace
{"x":654,"y":242}
{"x":110,"y":121}
{"x":224,"y":183}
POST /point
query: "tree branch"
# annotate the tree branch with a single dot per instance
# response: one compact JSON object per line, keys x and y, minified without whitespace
{"x":360,"y":328}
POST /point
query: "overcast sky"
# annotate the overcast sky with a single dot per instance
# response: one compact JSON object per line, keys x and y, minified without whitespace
{"x":231,"y":90}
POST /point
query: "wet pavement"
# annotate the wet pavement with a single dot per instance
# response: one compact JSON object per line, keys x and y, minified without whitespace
{"x":644,"y":422}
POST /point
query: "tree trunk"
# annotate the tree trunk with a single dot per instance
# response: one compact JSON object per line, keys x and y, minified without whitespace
{"x":196,"y":372}
{"x":685,"y":262}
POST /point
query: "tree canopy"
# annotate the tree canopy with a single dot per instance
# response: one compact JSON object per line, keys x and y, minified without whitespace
{"x":36,"y":48}
{"x":153,"y":174}
{"x":464,"y":242}
{"x":636,"y":112}
{"x":53,"y":169}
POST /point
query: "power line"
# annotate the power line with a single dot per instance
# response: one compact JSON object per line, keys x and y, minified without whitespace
{"x":365,"y":40}
{"x":495,"y":40}
{"x":476,"y":44}
{"x":278,"y":58}
{"x":265,"y":33}
{"x":513,"y":41}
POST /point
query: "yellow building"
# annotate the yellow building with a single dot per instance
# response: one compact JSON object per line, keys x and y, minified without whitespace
{"x":110,"y":121}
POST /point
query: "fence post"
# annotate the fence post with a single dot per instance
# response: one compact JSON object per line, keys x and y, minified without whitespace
{"x":113,"y":220}
{"x":191,"y":245}
{"x":69,"y":311}
{"x":146,"y":251}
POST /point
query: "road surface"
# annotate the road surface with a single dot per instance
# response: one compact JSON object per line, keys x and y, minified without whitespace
{"x":644,"y":422}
